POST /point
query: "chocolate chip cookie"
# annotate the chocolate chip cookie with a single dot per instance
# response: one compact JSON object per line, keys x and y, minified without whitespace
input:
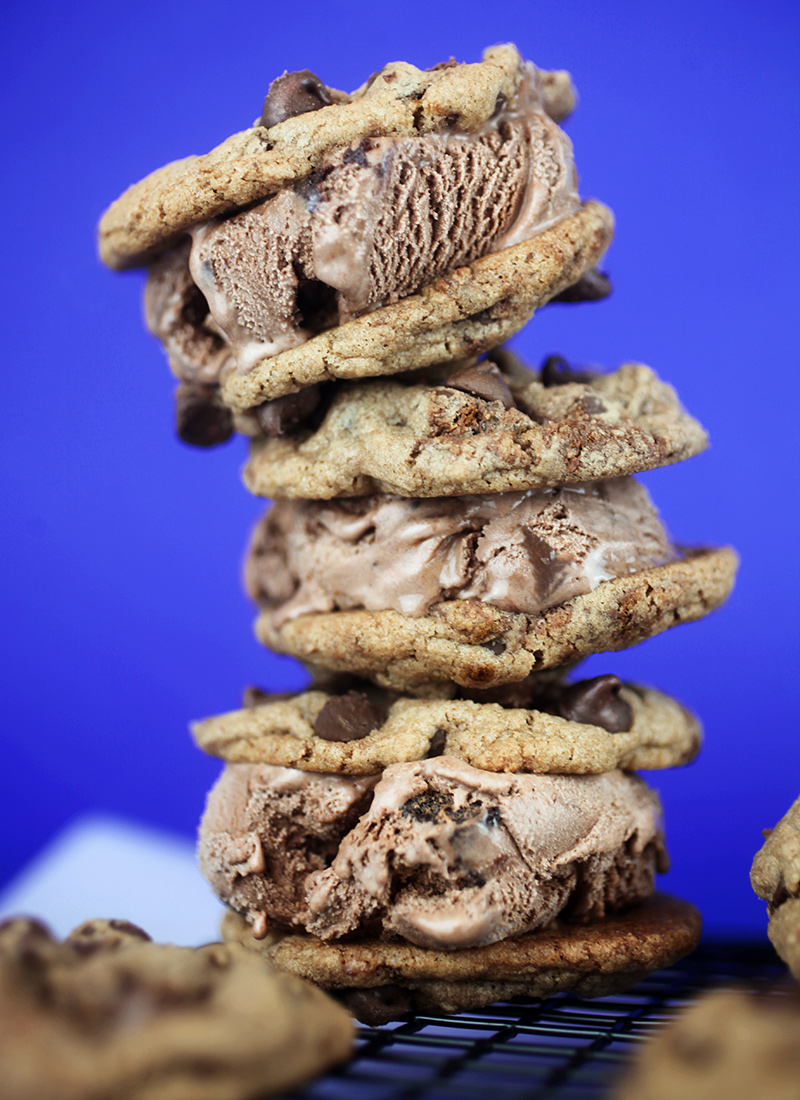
{"x":107,"y":1014}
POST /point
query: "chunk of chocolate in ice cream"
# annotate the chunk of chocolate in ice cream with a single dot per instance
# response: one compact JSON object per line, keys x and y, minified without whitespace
{"x":521,"y":552}
{"x":374,"y":223}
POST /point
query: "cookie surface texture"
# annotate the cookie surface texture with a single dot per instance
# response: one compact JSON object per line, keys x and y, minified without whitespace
{"x":590,"y":960}
{"x":486,"y":735}
{"x":107,"y":1014}
{"x":421,"y":439}
{"x":479,"y":646}
{"x":260,"y":161}
{"x":775,"y":877}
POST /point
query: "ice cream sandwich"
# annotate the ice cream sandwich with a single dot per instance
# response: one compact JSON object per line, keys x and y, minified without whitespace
{"x":419,"y":220}
{"x":479,"y":589}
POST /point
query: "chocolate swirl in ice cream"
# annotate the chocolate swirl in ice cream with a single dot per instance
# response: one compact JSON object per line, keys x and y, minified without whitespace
{"x":516,"y":551}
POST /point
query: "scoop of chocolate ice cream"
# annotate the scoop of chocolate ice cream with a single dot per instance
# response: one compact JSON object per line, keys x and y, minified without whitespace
{"x":523,"y":551}
{"x":442,"y":854}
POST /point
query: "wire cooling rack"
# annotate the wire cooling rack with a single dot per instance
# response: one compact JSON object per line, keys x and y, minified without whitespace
{"x":559,"y":1049}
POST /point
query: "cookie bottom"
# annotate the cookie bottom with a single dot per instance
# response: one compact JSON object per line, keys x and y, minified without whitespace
{"x":480,"y":646}
{"x":381,"y":980}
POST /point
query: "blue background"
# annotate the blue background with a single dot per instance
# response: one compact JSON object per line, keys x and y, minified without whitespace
{"x":121,"y":608}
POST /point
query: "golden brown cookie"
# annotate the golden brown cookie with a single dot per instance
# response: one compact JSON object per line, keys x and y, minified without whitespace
{"x":361,"y":732}
{"x":479,"y":646}
{"x":107,"y":1014}
{"x":775,"y":877}
{"x":497,"y":428}
{"x":590,"y":960}
{"x":399,"y":101}
{"x":729,"y":1044}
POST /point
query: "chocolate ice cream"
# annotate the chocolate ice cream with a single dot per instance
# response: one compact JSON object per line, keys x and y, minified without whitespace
{"x":446,"y":856}
{"x":521,"y":552}
{"x":375,"y":222}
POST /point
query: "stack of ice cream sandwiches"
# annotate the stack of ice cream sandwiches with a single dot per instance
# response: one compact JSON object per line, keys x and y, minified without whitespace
{"x":449,"y":814}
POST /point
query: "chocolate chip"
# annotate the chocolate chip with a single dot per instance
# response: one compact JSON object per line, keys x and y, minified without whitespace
{"x":348,"y":718}
{"x":515,"y":696}
{"x":293,"y":94}
{"x":200,"y":419}
{"x":482,"y":380}
{"x":284,"y":413}
{"x":427,"y":806}
{"x":437,"y":743}
{"x":557,"y":372}
{"x":597,"y":702}
{"x":256,"y":697}
{"x":591,"y":287}
{"x":381,"y":1005}
{"x":450,"y":64}
{"x":129,"y":928}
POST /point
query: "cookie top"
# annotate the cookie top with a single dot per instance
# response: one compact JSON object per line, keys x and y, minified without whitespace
{"x":356,"y":729}
{"x":107,"y":1013}
{"x":591,"y":959}
{"x":479,"y":646}
{"x":400,"y":100}
{"x":728,"y":1043}
{"x":775,"y":876}
{"x":487,"y":426}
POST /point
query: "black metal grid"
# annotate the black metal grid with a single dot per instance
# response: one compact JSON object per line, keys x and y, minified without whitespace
{"x":562,"y":1048}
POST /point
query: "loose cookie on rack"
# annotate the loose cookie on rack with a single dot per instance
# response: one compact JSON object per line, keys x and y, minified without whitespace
{"x":482,"y":427}
{"x":538,"y":725}
{"x":109,"y":1014}
{"x":729,"y":1044}
{"x":775,"y":877}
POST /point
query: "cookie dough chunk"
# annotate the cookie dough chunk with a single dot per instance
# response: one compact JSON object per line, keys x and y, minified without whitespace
{"x":488,"y":426}
{"x":775,"y":877}
{"x":381,"y":981}
{"x":730,"y":1044}
{"x":590,"y":726}
{"x":108,"y":1014}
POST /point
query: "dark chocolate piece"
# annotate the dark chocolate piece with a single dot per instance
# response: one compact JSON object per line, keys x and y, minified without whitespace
{"x":592,"y":286}
{"x":293,"y":94}
{"x":557,"y":372}
{"x":98,"y":935}
{"x":348,"y":718}
{"x":437,"y":743}
{"x":381,"y":1005}
{"x":482,"y":380}
{"x":256,"y":697}
{"x":597,"y":702}
{"x":200,"y":419}
{"x":284,"y":413}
